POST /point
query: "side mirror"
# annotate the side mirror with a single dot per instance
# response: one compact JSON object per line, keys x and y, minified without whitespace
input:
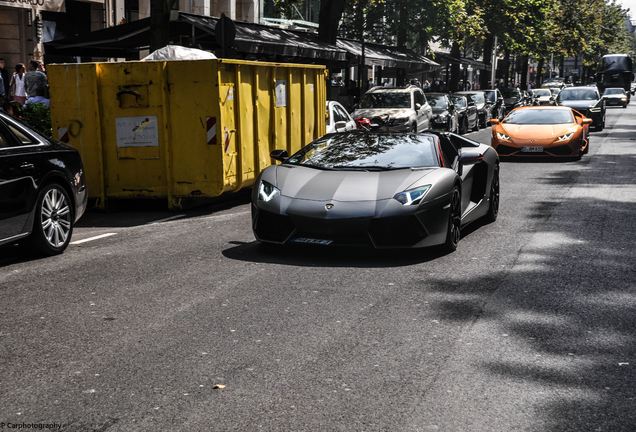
{"x":279,"y":155}
{"x":500,"y":99}
{"x":587,"y":121}
{"x":470,"y":156}
{"x":340,"y":125}
{"x":494,"y":121}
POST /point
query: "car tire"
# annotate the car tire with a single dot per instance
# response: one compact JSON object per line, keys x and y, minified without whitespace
{"x":476,"y":127}
{"x":414,"y":129}
{"x":464,"y":129}
{"x":453,"y":231}
{"x":53,"y":221}
{"x":493,"y":206}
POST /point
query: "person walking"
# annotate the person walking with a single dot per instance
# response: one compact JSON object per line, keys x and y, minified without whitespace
{"x":17,"y":87}
{"x":35,"y":81}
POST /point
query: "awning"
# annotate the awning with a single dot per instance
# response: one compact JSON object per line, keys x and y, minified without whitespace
{"x":385,"y":56}
{"x":198,"y":31}
{"x":447,"y":58}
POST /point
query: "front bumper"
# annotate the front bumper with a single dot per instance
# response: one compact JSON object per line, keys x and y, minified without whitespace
{"x":356,"y":224}
{"x":509,"y":149}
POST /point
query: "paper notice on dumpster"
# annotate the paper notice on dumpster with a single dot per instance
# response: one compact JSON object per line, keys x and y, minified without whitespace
{"x":139,"y":131}
{"x":281,"y":93}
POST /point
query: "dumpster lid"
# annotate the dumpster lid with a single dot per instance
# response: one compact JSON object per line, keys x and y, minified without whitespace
{"x":177,"y":52}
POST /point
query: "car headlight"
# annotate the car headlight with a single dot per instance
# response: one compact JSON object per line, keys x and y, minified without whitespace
{"x":267,"y":191}
{"x":503,"y":136}
{"x":412,"y":196}
{"x":565,"y":137}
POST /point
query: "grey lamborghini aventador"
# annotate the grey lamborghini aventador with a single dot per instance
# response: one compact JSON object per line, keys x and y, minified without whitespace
{"x":378,"y":190}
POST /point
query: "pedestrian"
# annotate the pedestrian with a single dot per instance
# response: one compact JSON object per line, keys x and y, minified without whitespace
{"x":6,"y":77}
{"x":2,"y":92}
{"x":35,"y":81}
{"x":16,"y":86}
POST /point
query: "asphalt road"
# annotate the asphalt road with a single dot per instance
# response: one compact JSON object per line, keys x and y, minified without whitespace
{"x":529,"y":326}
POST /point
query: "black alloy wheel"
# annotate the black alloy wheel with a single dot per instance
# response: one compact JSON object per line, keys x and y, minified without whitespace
{"x":454,"y":232}
{"x":493,"y":208}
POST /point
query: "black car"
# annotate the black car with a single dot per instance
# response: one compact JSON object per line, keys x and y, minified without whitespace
{"x":485,"y":109}
{"x":444,"y":114}
{"x":587,"y":101}
{"x":496,"y":99}
{"x":466,"y":113}
{"x":513,"y":98}
{"x":42,"y":189}
{"x":394,"y":190}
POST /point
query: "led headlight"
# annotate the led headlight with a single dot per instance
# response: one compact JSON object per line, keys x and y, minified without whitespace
{"x":565,"y":137}
{"x":412,"y":196}
{"x":503,"y":136}
{"x":267,"y":191}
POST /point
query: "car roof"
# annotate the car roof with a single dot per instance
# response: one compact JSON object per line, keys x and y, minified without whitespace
{"x":390,"y":90}
{"x":436,"y":94}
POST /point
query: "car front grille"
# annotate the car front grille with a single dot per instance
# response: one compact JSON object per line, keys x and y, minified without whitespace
{"x":403,"y":231}
{"x":273,"y":227}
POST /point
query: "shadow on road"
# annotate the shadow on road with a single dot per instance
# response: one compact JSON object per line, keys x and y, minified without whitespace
{"x":574,"y":305}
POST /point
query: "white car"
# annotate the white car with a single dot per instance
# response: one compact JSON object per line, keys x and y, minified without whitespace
{"x":395,"y":109}
{"x":338,"y":119}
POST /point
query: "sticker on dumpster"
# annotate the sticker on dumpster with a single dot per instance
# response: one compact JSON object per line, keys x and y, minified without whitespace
{"x":281,"y":93}
{"x":139,"y":131}
{"x":211,"y":130}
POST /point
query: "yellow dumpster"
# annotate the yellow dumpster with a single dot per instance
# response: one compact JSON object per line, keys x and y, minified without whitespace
{"x":178,"y":130}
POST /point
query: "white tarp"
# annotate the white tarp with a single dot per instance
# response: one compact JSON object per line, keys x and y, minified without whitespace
{"x":176,"y":52}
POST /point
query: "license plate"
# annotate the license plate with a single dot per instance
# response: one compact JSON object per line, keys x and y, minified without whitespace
{"x":532,"y":149}
{"x":305,"y":240}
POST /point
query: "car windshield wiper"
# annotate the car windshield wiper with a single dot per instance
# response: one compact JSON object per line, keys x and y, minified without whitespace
{"x":365,"y":168}
{"x":320,"y":167}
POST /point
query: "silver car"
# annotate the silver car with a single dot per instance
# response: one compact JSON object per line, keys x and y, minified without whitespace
{"x":395,"y":109}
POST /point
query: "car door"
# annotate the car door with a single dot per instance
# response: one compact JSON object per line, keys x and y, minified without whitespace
{"x":344,"y":116}
{"x":18,"y":190}
{"x":424,"y":113}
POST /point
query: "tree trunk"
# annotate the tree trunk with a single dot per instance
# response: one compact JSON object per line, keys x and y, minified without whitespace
{"x":455,"y":74}
{"x":329,"y":19}
{"x":524,"y":72}
{"x":539,"y":76}
{"x":159,"y":23}
{"x":484,"y":76}
{"x":403,"y":18}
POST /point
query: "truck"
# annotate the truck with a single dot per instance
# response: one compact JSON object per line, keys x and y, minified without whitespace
{"x":615,"y":70}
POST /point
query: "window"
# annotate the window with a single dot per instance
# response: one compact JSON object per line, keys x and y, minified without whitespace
{"x":5,"y":138}
{"x":340,"y":115}
{"x":419,"y":98}
{"x":21,"y":136}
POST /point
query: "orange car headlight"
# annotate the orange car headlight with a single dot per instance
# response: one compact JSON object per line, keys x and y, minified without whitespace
{"x":565,"y":137}
{"x":503,"y":136}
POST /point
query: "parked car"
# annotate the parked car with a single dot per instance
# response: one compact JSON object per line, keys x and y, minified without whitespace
{"x":338,"y":119}
{"x":395,"y":109}
{"x":484,"y":107}
{"x":496,"y":99}
{"x":558,"y":132}
{"x":615,"y":96}
{"x":444,"y":113}
{"x":542,"y":96}
{"x":466,"y":113}
{"x":587,"y":101}
{"x":42,"y":189}
{"x":512,"y":99}
{"x":377,"y":190}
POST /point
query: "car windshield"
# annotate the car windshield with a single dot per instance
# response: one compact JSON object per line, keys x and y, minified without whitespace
{"x":478,"y":98}
{"x":386,"y":100}
{"x":365,"y":151}
{"x":614,"y":91}
{"x":491,"y":96}
{"x":510,"y":93}
{"x":578,"y":94}
{"x":539,"y":116}
{"x":541,"y":92}
{"x":459,"y":101}
{"x":437,"y":101}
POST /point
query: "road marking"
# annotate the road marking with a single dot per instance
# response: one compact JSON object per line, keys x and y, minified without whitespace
{"x":97,"y":237}
{"x":168,"y":219}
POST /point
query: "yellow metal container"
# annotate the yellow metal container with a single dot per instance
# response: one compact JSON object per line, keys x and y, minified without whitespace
{"x":183,"y":129}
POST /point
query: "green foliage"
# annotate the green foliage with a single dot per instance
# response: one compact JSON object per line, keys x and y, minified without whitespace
{"x":38,"y":117}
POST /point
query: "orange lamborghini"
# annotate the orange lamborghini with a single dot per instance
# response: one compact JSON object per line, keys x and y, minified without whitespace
{"x":542,"y":131}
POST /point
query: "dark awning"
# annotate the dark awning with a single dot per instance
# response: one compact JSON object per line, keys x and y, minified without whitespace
{"x":385,"y":56}
{"x":447,"y":58}
{"x":198,"y":31}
